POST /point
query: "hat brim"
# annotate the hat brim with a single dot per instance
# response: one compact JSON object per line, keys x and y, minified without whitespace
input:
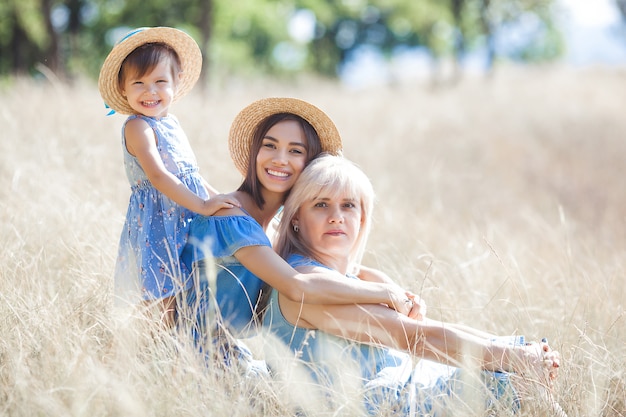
{"x":185,"y":46}
{"x":243,"y":127}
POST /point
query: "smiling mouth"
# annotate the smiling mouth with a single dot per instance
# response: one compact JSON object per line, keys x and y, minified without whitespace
{"x":277,"y":173}
{"x":151,"y":103}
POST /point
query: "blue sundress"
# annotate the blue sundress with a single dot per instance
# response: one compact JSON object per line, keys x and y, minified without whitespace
{"x":219,"y":309}
{"x":390,"y":384}
{"x":148,"y":264}
{"x":223,"y":286}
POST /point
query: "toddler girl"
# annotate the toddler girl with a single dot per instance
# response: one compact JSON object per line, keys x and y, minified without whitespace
{"x":142,"y":76}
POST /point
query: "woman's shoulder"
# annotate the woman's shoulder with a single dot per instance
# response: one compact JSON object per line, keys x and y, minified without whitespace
{"x":235,"y":226}
{"x":235,"y":217}
{"x":224,"y":235}
{"x":297,"y":260}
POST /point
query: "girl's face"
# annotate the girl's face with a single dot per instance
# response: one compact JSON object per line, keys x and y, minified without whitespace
{"x":329,"y":226}
{"x":151,"y":94}
{"x":282,"y":156}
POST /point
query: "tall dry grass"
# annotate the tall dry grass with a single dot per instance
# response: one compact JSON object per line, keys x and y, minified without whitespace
{"x":501,"y":202}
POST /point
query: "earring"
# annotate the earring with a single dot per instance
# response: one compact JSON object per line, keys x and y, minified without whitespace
{"x":296,"y":228}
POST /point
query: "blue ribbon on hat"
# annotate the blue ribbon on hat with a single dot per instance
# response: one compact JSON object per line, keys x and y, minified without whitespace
{"x":111,"y":112}
{"x":131,"y":33}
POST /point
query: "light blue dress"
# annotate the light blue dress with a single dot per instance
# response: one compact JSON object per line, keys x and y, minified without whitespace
{"x":224,"y":289}
{"x":220,"y":306}
{"x":390,"y":383}
{"x":155,"y":231}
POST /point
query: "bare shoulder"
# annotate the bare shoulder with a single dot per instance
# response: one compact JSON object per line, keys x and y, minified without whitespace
{"x":136,"y":124}
{"x":139,"y":137}
{"x":234,"y":211}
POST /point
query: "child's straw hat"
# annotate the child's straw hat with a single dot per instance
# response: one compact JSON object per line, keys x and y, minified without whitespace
{"x":184,"y":45}
{"x":243,"y":127}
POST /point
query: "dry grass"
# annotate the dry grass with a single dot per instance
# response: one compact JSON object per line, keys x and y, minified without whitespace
{"x":501,"y":202}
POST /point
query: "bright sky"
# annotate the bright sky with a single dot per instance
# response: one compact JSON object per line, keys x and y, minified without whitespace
{"x":592,"y":13}
{"x":590,"y":32}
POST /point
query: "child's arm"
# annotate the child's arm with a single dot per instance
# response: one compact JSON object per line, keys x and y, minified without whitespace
{"x":209,"y":188}
{"x":141,"y":143}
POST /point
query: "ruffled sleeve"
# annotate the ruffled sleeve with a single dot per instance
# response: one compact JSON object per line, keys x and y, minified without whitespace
{"x":221,"y":236}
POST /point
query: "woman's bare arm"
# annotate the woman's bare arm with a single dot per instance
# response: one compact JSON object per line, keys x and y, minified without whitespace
{"x":442,"y":342}
{"x":325,"y":287}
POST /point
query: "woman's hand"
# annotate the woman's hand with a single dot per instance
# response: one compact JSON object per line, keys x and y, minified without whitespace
{"x":407,"y":303}
{"x":418,"y":309}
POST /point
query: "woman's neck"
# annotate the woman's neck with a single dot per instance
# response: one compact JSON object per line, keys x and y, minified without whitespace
{"x":337,"y":263}
{"x":264,"y":215}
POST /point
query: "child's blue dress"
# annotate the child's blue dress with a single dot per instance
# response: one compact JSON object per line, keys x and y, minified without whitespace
{"x":390,"y":384}
{"x":156,"y":228}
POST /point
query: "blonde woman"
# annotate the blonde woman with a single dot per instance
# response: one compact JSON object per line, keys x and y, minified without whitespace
{"x":325,"y":225}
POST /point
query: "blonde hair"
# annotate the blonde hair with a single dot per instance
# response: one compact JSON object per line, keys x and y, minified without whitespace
{"x":334,"y":177}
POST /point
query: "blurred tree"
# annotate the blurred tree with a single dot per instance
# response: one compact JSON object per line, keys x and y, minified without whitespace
{"x":621,"y":6}
{"x":270,"y":36}
{"x":246,"y":33}
{"x":344,"y":27}
{"x":25,"y":38}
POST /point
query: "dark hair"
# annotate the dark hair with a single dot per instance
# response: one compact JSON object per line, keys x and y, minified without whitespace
{"x":313,"y":145}
{"x":145,"y":58}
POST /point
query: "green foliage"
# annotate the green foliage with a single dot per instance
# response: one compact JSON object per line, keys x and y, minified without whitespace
{"x":30,"y":19}
{"x":254,"y":35}
{"x":245,"y":33}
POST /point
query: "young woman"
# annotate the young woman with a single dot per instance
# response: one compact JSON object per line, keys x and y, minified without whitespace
{"x":324,"y":228}
{"x":271,"y":141}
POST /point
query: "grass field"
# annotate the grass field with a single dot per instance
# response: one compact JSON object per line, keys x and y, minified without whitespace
{"x":502,"y":202}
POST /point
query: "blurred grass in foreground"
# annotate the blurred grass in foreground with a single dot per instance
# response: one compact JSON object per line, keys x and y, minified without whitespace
{"x":501,"y":202}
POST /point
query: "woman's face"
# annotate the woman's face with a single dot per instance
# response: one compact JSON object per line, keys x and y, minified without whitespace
{"x":329,"y":226}
{"x":282,"y":156}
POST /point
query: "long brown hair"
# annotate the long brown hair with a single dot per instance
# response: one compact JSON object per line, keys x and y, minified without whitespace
{"x":251,"y":184}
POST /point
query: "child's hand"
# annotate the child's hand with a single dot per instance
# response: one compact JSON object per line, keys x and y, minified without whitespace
{"x":218,"y":202}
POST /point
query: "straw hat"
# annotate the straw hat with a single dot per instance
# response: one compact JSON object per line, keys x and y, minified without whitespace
{"x":184,"y":45}
{"x":243,"y":127}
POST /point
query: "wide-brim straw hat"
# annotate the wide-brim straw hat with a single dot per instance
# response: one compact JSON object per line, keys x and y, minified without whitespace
{"x":243,"y":127}
{"x":185,"y":46}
